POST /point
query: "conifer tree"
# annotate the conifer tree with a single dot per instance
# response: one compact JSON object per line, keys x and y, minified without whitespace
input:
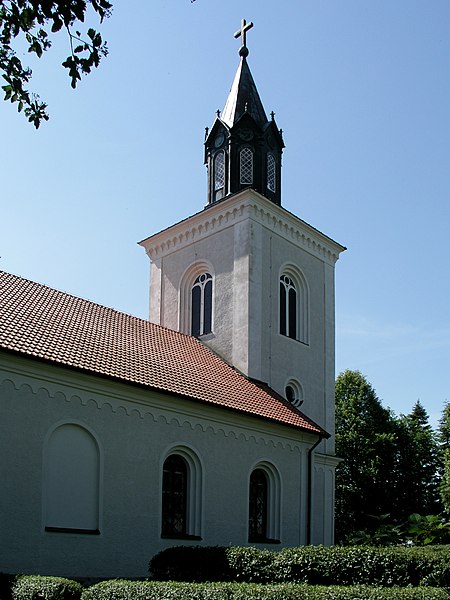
{"x":444,"y":454}
{"x":366,"y":440}
{"x":418,"y":465}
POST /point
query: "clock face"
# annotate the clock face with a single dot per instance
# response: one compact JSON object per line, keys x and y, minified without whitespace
{"x":246,"y":134}
{"x":219,"y":140}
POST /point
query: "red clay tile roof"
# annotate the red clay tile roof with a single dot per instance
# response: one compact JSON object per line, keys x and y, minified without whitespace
{"x":41,"y":322}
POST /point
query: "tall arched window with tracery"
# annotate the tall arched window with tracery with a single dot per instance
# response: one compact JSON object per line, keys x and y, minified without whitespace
{"x":246,"y":166}
{"x":264,"y":504}
{"x":219,"y":175}
{"x":288,"y":307}
{"x":271,"y":173}
{"x":201,"y":305}
{"x":293,"y":304}
{"x":181,"y":507}
{"x":258,"y":505}
{"x":174,"y":496}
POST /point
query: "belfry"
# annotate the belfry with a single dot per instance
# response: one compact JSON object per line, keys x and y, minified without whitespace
{"x":243,"y":148}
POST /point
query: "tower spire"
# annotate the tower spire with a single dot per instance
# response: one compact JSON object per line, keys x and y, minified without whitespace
{"x":243,"y":148}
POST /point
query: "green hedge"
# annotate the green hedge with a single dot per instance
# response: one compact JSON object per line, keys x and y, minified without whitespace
{"x":152,"y":590}
{"x":56,"y":588}
{"x":191,"y":563}
{"x":317,"y":565}
{"x":35,"y":587}
{"x":370,"y":565}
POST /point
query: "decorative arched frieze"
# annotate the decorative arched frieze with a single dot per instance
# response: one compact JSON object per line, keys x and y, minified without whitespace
{"x":139,"y":408}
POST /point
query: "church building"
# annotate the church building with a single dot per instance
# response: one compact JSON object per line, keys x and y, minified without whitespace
{"x":210,"y":423}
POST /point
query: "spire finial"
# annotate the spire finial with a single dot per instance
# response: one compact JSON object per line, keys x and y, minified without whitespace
{"x":242,"y":33}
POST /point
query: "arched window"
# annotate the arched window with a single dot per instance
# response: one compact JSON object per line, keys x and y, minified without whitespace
{"x":181,"y":494}
{"x":257,"y":509}
{"x":196,"y":299}
{"x":219,"y":170}
{"x":293,"y":304}
{"x":201,"y":305}
{"x":174,"y":496}
{"x":72,"y":480}
{"x":246,"y":166}
{"x":288,"y":307}
{"x":271,"y":173}
{"x":264,"y":504}
{"x":219,"y":175}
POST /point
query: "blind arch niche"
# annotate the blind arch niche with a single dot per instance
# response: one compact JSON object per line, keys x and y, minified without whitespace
{"x":71,"y":496}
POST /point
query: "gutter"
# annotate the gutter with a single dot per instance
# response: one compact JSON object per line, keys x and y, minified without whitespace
{"x":310,"y":491}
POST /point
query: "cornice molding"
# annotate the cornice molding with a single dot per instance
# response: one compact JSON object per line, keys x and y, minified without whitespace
{"x":118,"y":398}
{"x":247,"y":204}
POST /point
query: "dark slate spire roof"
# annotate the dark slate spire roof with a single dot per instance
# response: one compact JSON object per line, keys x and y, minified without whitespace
{"x":243,"y":98}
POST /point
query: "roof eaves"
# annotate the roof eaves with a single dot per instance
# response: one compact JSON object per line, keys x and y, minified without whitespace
{"x":315,"y":429}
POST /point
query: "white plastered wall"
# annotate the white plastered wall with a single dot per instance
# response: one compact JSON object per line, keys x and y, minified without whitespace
{"x":134,"y":430}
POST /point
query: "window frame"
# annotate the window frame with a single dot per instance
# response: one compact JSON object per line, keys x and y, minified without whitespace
{"x":293,"y":304}
{"x":194,"y":494}
{"x":271,"y":173}
{"x":250,"y":166}
{"x":187,"y":281}
{"x":272,"y":508}
{"x":174,"y":509}
{"x":297,"y":392}
{"x":219,"y":183}
{"x":204,"y":318}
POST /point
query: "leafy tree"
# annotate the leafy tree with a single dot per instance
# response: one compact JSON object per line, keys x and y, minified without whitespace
{"x":32,"y":22}
{"x":366,"y":439}
{"x":418,"y":465}
{"x":444,"y":452}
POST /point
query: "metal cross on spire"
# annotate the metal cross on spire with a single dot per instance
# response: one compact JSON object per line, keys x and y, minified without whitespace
{"x":242,"y":33}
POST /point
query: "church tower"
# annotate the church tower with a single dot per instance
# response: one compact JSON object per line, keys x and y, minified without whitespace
{"x":243,"y":148}
{"x":248,"y":278}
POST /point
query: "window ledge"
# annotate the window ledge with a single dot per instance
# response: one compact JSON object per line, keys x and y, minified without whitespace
{"x":205,"y":337}
{"x":180,"y":536}
{"x":287,"y":337}
{"x":72,"y":530}
{"x":263,"y":541}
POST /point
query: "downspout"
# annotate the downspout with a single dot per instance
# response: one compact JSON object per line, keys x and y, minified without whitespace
{"x":310,"y":491}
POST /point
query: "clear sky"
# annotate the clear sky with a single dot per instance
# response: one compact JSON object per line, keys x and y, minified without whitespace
{"x":361,"y":89}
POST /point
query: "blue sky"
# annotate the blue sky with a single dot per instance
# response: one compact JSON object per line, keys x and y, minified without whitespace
{"x":362,"y":92}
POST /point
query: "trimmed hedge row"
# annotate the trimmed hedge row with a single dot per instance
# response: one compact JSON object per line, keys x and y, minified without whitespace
{"x":151,"y":590}
{"x":31,"y":587}
{"x":309,"y":572}
{"x":36,"y":587}
{"x":316,"y":565}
